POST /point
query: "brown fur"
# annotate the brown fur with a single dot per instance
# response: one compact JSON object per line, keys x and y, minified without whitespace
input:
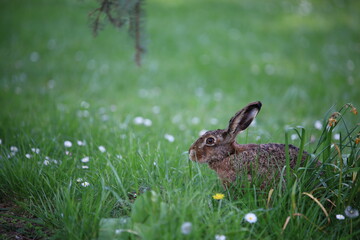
{"x":229,"y":158}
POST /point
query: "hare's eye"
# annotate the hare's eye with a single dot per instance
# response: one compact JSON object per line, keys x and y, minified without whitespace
{"x":210,"y":141}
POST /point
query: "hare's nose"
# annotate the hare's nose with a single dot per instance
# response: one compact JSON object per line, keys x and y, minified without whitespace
{"x":192,"y":155}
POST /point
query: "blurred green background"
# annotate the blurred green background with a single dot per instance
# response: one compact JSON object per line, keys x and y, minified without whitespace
{"x":204,"y":58}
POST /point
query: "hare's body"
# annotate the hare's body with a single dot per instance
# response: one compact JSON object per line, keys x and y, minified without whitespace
{"x":263,"y":159}
{"x":230,"y":159}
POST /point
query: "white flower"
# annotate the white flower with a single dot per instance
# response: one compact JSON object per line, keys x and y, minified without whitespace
{"x":195,"y":120}
{"x":340,"y":217}
{"x":112,"y":108}
{"x":250,"y":217}
{"x":68,"y":153}
{"x":138,"y":120}
{"x":79,"y":180}
{"x":86,"y":113}
{"x":143,"y":93}
{"x":119,"y":156}
{"x":67,"y":144}
{"x":81,"y":143}
{"x":294,"y":136}
{"x":35,"y":150}
{"x":104,"y":118}
{"x":14,"y":149}
{"x":318,"y":125}
{"x":46,"y":162}
{"x":85,"y":159}
{"x":83,"y":113}
{"x":102,"y":110}
{"x":351,"y":212}
{"x":102,"y":149}
{"x":147,"y":122}
{"x":51,"y":83}
{"x":85,"y":167}
{"x":156,"y":109}
{"x":214,"y":121}
{"x":202,"y":132}
{"x":84,"y":104}
{"x":186,"y":228}
{"x":337,"y":136}
{"x":176,"y":119}
{"x":34,"y":56}
{"x":85,"y":184}
{"x":28,"y":155}
{"x":169,"y":137}
{"x":220,"y":237}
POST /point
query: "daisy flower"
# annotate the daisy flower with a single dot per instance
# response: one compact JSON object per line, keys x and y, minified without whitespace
{"x":35,"y":150}
{"x":351,"y":212}
{"x":81,"y":143}
{"x":138,"y":120}
{"x":169,"y":137}
{"x":147,"y":122}
{"x":195,"y":120}
{"x":85,"y":159}
{"x":220,"y":237}
{"x":102,"y":149}
{"x":318,"y":125}
{"x":186,"y":228}
{"x":14,"y":149}
{"x":67,"y":144}
{"x":85,"y":184}
{"x":251,"y":218}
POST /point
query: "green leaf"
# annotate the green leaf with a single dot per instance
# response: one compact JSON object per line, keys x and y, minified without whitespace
{"x":114,"y":228}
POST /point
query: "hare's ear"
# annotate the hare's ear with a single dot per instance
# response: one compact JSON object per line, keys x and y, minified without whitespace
{"x":243,"y":119}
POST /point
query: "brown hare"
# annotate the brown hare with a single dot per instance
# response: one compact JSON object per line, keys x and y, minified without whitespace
{"x":229,"y":159}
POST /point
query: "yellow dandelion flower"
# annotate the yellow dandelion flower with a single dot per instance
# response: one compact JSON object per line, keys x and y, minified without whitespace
{"x":218,"y":196}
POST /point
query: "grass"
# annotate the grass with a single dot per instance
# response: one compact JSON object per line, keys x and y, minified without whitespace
{"x":205,"y":60}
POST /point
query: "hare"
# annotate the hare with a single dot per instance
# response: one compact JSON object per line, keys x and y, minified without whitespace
{"x":219,"y":149}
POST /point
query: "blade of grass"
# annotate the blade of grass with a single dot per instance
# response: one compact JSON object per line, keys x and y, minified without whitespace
{"x":320,"y":205}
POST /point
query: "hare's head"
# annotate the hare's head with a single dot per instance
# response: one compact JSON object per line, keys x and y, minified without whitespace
{"x":219,"y":144}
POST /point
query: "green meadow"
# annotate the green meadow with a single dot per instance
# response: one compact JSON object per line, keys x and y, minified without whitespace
{"x":94,"y":147}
